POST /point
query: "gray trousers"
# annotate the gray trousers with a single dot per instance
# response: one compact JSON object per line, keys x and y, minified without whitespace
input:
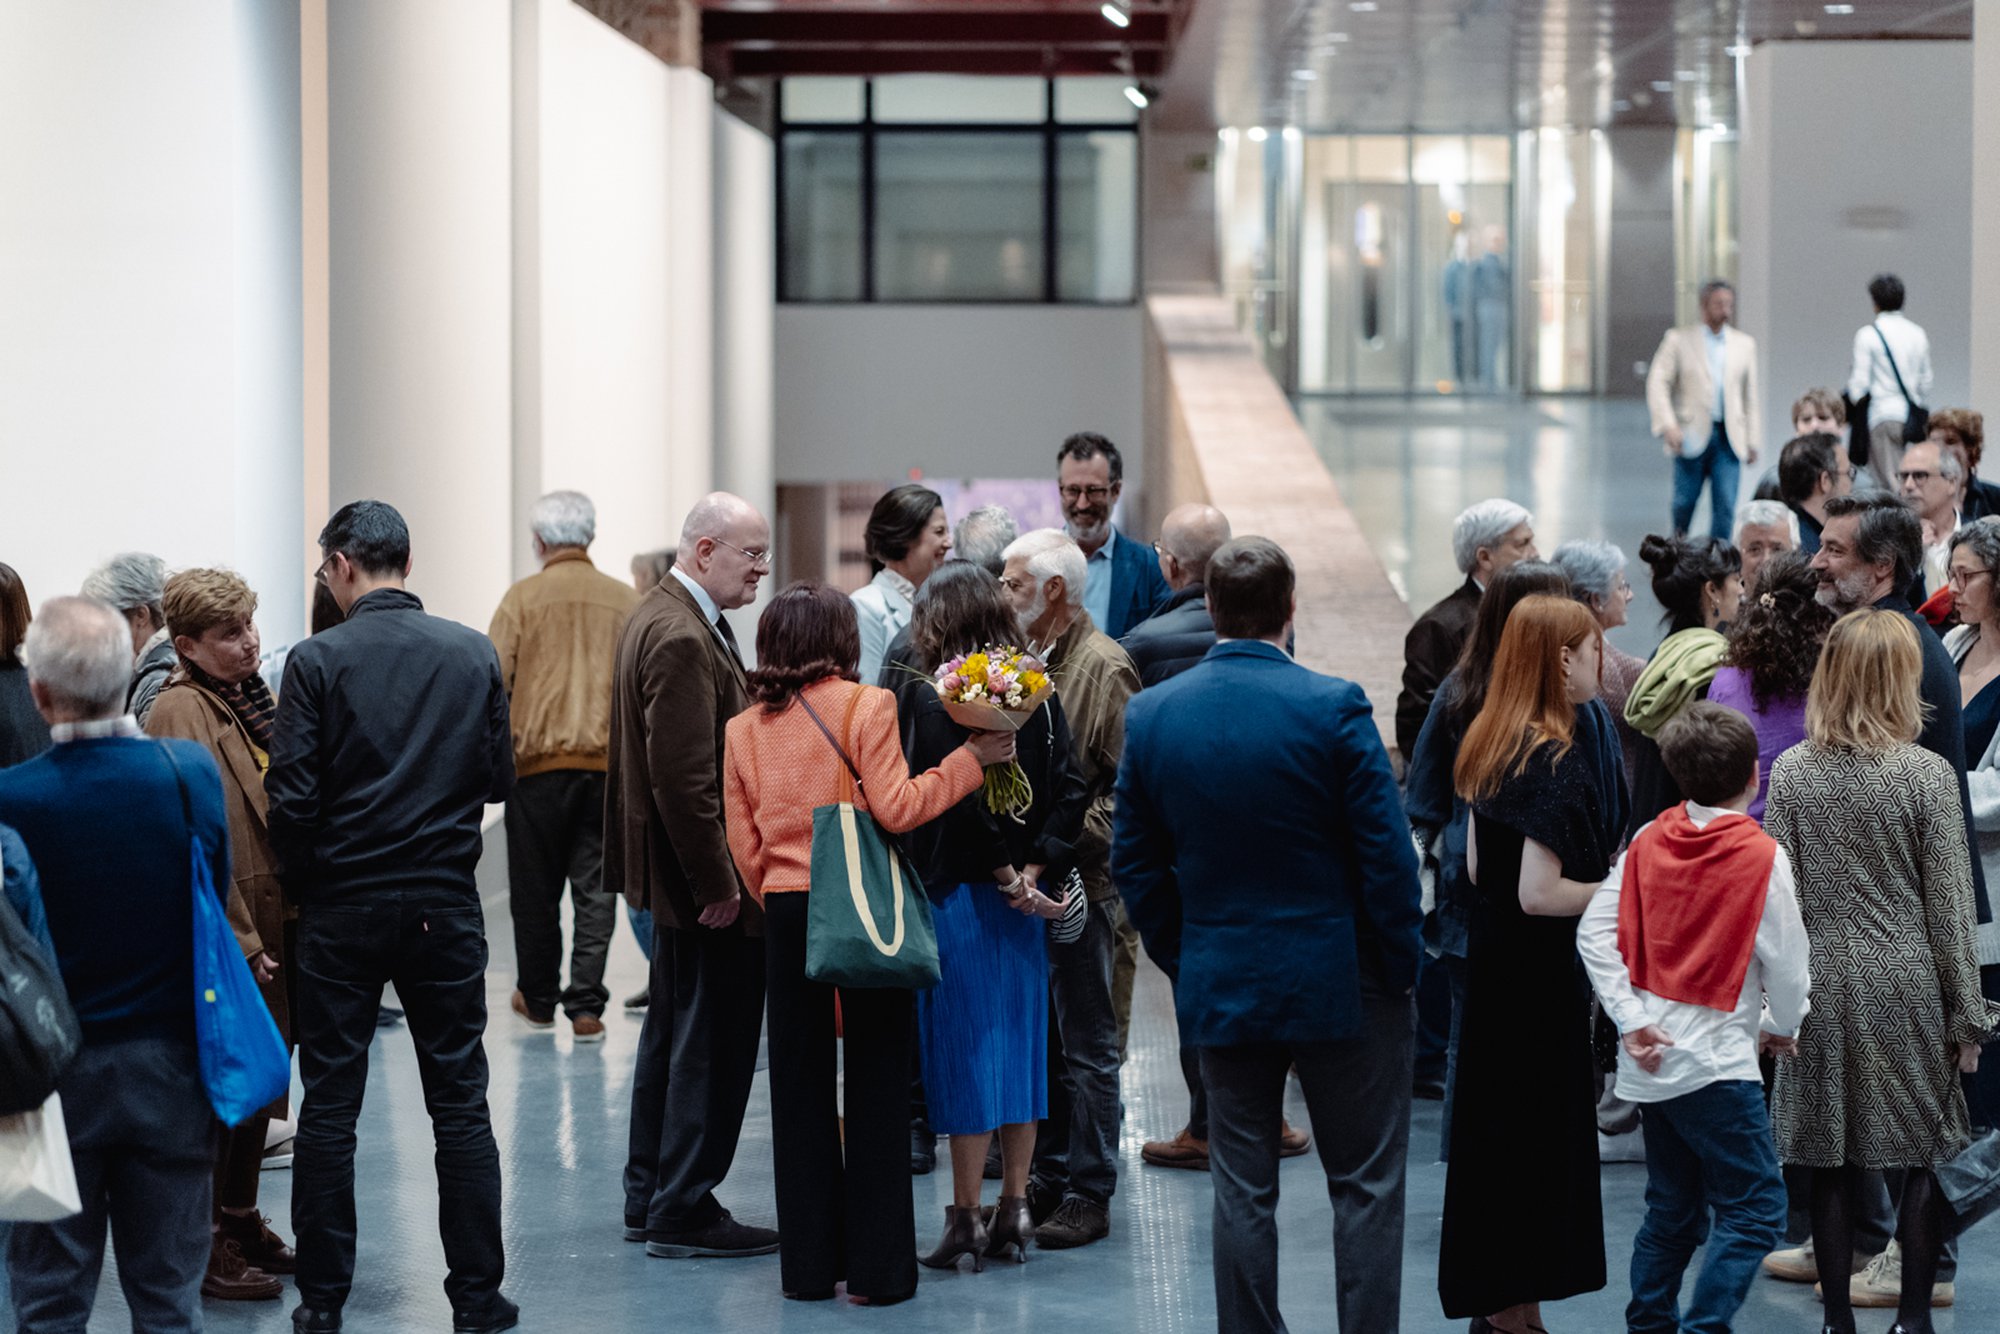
{"x":1885,"y":455}
{"x":555,"y":836}
{"x":1358,"y":1094}
{"x":1076,"y":1150}
{"x":142,"y":1138}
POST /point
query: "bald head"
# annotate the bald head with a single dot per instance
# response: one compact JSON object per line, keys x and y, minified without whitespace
{"x":1189,"y":539}
{"x":726,"y":548}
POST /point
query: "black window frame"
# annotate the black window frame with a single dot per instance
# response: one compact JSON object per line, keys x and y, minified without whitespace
{"x":1049,"y":130}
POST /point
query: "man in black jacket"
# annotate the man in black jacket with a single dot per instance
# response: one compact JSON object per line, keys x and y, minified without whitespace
{"x":391,"y":737}
{"x":1175,"y":637}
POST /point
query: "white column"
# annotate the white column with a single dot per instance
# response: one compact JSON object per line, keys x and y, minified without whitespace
{"x":689,"y":370}
{"x":421,"y":273}
{"x":1985,"y":275}
{"x":150,"y":355}
{"x":745,"y":230}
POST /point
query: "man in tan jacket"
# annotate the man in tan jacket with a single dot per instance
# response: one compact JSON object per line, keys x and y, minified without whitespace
{"x":557,"y":635}
{"x":1702,"y":393}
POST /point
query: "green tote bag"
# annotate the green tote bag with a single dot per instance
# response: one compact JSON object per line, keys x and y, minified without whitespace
{"x":868,"y":921}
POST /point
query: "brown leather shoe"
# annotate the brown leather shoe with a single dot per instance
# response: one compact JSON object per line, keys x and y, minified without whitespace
{"x":1292,"y":1143}
{"x":229,"y":1279}
{"x":1183,"y":1150}
{"x":261,"y":1247}
{"x":587,"y":1028}
{"x":528,"y":1015}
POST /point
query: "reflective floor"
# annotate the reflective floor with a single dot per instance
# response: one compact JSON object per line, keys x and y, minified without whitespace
{"x":1587,"y":469}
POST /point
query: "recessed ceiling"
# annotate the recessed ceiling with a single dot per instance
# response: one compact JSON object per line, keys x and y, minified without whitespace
{"x":1457,"y":65}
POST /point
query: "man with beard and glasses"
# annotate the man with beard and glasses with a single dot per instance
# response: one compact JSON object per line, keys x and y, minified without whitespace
{"x":1125,"y":585}
{"x":1076,"y":1154}
{"x":1869,"y":551}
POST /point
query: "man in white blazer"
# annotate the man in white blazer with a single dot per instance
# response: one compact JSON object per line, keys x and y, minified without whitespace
{"x":1702,"y":393}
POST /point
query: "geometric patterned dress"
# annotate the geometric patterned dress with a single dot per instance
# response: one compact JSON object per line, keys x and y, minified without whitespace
{"x":1877,"y":843}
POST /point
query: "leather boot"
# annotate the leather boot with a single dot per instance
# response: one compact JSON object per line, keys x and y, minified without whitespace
{"x":262,"y":1248}
{"x":1012,"y":1226}
{"x":964,"y":1234}
{"x":229,"y":1279}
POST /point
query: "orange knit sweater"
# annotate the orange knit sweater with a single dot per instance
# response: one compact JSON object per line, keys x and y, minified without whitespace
{"x":777,"y":768}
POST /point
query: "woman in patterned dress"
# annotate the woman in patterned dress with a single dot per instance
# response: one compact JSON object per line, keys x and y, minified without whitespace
{"x":1873,"y":826}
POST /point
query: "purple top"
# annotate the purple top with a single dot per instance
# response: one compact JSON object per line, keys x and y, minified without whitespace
{"x":1779,"y":726}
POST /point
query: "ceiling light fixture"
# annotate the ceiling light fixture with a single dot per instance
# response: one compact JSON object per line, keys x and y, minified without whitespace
{"x":1663,"y":85}
{"x":1117,"y":12}
{"x":1305,"y":75}
{"x":1336,"y":37}
{"x":1258,"y":134}
{"x":1840,"y":9}
{"x":1363,"y":6}
{"x":1719,"y":128}
{"x":1136,"y":97}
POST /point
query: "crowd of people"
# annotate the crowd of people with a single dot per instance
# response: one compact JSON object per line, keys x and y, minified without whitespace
{"x":1723,"y":908}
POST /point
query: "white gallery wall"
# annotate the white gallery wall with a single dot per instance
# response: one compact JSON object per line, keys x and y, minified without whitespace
{"x":866,"y":393}
{"x":1879,"y":184}
{"x":1986,"y":202}
{"x":150,"y":333}
{"x":744,"y":215}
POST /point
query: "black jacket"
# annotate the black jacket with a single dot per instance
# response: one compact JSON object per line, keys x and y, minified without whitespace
{"x":1172,"y":639}
{"x":1430,"y":651}
{"x":390,"y":739}
{"x":966,"y":844}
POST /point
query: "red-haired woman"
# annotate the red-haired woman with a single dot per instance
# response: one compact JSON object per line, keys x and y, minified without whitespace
{"x":844,"y":1209}
{"x":1523,"y":1223}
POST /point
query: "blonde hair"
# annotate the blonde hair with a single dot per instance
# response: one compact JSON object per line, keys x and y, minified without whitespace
{"x":197,"y":601}
{"x":1865,"y":693}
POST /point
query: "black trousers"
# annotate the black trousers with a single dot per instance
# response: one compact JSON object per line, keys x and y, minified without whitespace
{"x":142,"y":1139}
{"x":697,"y":1055}
{"x":555,"y":835}
{"x":432,"y":945}
{"x":842,"y":1213}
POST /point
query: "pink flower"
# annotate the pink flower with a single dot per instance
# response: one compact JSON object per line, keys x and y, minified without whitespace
{"x":996,"y":683}
{"x":954,"y":683}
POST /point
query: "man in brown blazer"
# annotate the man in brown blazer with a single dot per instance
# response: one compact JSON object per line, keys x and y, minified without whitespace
{"x":678,"y":681}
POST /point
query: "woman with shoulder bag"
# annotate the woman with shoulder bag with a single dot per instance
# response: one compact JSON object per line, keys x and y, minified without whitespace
{"x":844,"y":1210}
{"x":984,"y":1027}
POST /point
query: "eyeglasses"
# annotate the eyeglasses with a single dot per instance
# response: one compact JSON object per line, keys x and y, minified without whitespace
{"x":1075,"y":493}
{"x":1960,"y":578}
{"x":1161,"y":549}
{"x":1011,"y":584}
{"x":1917,"y":475}
{"x":759,"y":559}
{"x":319,"y":575}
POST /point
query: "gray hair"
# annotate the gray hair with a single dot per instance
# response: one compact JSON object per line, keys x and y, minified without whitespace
{"x":1484,"y":525}
{"x":80,"y":651}
{"x":1766,"y":514}
{"x":564,"y":519}
{"x":983,"y":537}
{"x":129,"y":580}
{"x":1982,"y":538}
{"x":1592,"y":567}
{"x":1051,"y":553}
{"x":1949,"y":467}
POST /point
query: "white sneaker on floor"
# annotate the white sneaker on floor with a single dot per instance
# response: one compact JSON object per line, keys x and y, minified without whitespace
{"x":1880,"y":1285}
{"x":1621,"y":1148}
{"x":279,"y":1132}
{"x":278,"y":1155}
{"x":1795,"y":1264}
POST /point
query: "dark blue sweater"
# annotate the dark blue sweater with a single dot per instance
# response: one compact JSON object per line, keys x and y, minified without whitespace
{"x":104,"y":822}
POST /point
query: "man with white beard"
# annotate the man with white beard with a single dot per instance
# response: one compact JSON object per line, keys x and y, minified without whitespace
{"x":1076,"y":1154}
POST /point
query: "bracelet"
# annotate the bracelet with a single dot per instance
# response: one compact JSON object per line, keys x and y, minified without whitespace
{"x":1014,"y":888}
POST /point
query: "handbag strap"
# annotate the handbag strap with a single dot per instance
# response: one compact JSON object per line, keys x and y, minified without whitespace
{"x":1901,"y":388}
{"x":180,"y":781}
{"x":847,"y":727}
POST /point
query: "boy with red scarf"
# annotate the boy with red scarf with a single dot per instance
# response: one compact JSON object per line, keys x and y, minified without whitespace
{"x":1695,"y":946}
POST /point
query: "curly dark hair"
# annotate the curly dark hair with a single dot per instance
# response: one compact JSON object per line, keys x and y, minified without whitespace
{"x":1777,"y":636}
{"x":808,"y":633}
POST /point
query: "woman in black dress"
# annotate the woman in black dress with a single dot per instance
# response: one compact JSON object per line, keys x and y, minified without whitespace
{"x":1523,"y":1222}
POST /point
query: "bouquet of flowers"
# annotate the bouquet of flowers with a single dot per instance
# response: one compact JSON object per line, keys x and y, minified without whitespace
{"x":992,"y":691}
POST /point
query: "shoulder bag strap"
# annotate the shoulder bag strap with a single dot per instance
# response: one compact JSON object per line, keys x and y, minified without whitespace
{"x":1901,"y":388}
{"x":839,"y":749}
{"x":180,"y":781}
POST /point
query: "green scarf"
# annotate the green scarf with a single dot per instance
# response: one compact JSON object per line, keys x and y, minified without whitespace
{"x":1680,"y":670}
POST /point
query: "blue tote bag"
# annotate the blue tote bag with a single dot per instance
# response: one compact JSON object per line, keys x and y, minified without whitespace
{"x":244,"y":1065}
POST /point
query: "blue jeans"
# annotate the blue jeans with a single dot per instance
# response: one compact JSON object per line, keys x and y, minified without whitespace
{"x":1706,"y":1150}
{"x":1717,"y":466}
{"x":641,"y":920}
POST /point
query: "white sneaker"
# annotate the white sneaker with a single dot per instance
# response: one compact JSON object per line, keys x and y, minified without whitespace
{"x":1880,"y":1285}
{"x":1795,"y":1265}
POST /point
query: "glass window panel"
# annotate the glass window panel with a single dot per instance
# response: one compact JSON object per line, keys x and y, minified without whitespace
{"x":1097,"y":209}
{"x":1439,"y":160}
{"x":1099,"y":101}
{"x":1492,"y":160}
{"x":958,"y":217}
{"x":822,"y":207}
{"x":958,"y":98}
{"x":1380,"y":157}
{"x":823,"y":99}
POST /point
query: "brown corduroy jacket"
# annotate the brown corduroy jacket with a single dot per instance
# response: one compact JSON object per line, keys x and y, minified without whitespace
{"x":675,"y":688}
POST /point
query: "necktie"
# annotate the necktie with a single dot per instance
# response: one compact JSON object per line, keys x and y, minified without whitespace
{"x":728,"y":637}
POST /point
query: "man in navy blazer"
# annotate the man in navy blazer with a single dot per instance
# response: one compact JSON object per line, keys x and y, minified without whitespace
{"x":1260,"y":844}
{"x":1123,"y":584}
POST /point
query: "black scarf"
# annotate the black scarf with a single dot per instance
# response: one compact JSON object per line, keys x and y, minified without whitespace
{"x":250,"y":700}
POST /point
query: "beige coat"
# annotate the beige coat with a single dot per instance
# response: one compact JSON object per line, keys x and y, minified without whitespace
{"x":257,"y":908}
{"x":1679,"y":390}
{"x":557,"y":633}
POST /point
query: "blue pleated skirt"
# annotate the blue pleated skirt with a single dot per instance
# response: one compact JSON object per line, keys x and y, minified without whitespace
{"x":985,"y":1026}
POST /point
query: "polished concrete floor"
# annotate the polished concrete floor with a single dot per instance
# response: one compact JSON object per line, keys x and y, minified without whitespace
{"x":1587,"y":469}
